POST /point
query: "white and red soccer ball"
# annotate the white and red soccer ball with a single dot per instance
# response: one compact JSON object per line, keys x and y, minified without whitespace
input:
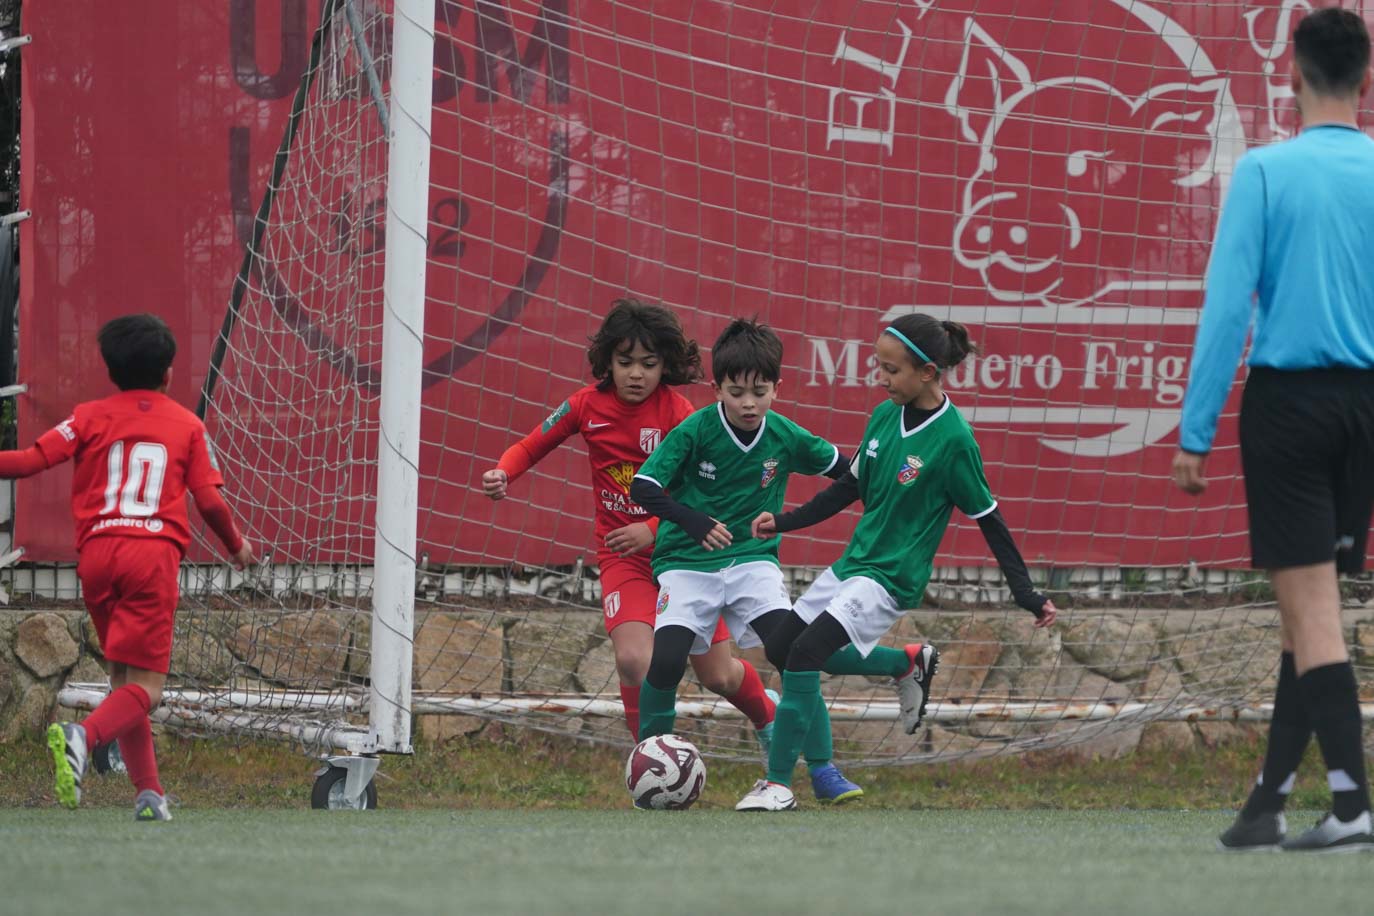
{"x":665,"y":773}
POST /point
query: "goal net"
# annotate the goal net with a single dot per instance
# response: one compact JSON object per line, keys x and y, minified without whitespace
{"x":1048,"y":174}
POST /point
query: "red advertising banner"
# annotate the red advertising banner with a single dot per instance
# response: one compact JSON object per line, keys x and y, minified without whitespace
{"x":1048,"y":174}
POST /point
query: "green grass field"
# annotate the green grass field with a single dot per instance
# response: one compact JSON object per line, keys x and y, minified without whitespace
{"x":510,"y":822}
{"x":699,"y":862}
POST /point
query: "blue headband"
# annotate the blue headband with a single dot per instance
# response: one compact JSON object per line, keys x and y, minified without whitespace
{"x":906,"y":340}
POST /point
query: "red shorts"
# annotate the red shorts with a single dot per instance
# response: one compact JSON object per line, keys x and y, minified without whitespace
{"x":629,"y":593}
{"x":131,"y":588}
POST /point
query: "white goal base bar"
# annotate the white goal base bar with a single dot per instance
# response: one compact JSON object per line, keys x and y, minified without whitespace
{"x":217,"y":713}
{"x":233,"y":710}
{"x":945,"y":712}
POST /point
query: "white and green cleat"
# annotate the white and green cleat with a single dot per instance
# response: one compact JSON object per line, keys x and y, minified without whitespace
{"x":149,"y":806}
{"x":67,"y":742}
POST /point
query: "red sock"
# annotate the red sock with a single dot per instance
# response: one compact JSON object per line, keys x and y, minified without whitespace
{"x":630,"y":697}
{"x":750,"y":698}
{"x":122,"y":710}
{"x":136,"y":747}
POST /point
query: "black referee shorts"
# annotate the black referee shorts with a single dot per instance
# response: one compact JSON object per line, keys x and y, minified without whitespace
{"x":1307,"y":447}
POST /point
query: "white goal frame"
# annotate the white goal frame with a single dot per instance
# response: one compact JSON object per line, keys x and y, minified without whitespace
{"x":403,"y":324}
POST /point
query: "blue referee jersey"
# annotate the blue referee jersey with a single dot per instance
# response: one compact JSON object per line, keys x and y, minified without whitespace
{"x":1298,"y":230}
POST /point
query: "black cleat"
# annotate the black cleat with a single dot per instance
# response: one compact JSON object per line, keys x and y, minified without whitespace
{"x":1261,"y":833}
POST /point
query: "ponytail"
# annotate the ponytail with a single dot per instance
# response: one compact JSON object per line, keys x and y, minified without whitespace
{"x":959,"y":344}
{"x":945,"y":344}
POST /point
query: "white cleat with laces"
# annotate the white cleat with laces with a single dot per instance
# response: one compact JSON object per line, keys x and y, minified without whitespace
{"x":767,"y":796}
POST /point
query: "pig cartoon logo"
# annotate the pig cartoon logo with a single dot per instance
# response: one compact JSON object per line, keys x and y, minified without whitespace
{"x":1071,"y":171}
{"x":1086,"y":199}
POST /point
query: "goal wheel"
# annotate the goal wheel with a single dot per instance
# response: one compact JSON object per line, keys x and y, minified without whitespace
{"x":329,"y":794}
{"x":106,"y":759}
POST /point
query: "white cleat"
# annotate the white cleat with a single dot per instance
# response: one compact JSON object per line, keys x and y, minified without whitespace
{"x":1335,"y":835}
{"x":149,"y":806}
{"x":913,"y":688}
{"x":767,"y":796}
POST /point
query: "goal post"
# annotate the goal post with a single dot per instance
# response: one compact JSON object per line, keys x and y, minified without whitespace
{"x":403,"y":323}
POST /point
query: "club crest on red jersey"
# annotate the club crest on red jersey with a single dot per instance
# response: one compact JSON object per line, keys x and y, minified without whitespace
{"x":649,"y":438}
{"x":911,"y":469}
{"x":770,"y":471}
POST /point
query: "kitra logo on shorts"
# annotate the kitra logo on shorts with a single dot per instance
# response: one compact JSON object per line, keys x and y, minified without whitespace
{"x":770,"y":471}
{"x":706,"y":469}
{"x":911,"y":469}
{"x":872,"y":450}
{"x":662,"y":603}
{"x":649,"y":438}
{"x":611,"y":604}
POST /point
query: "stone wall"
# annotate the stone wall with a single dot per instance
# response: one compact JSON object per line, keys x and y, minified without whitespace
{"x":505,"y":646}
{"x":40,"y":651}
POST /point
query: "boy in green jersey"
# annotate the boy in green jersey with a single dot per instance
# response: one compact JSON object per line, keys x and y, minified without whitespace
{"x":917,"y":462}
{"x":724,"y":465}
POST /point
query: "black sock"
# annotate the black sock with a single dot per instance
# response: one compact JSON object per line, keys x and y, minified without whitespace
{"x":672,"y":647}
{"x":1330,"y":697}
{"x":1289,"y":734}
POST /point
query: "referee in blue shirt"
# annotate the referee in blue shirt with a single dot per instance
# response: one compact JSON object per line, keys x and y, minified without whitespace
{"x":1295,"y":250}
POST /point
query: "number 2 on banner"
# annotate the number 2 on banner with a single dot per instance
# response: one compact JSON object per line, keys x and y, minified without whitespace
{"x":142,"y":492}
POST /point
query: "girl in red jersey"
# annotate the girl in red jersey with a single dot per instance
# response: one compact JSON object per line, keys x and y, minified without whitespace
{"x":637,"y":354}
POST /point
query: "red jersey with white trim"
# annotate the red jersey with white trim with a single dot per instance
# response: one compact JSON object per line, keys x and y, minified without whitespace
{"x":137,"y":454}
{"x":619,"y":437}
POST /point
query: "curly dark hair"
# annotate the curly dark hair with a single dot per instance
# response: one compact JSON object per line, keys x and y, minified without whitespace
{"x":657,"y":328}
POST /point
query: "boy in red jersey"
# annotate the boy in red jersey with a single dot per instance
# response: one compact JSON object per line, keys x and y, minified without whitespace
{"x":637,"y":354}
{"x":137,"y":454}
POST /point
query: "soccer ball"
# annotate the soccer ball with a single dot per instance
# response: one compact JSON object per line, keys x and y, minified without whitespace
{"x":665,"y":773}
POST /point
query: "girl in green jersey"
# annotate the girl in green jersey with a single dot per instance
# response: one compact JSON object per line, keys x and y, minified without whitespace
{"x":916,"y":463}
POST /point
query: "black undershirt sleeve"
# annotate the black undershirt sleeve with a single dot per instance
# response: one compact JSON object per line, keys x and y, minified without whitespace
{"x":830,"y":501}
{"x":998,"y":536}
{"x":839,"y":468}
{"x":656,"y":501}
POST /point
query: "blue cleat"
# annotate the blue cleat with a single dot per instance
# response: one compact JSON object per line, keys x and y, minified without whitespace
{"x":831,"y":787}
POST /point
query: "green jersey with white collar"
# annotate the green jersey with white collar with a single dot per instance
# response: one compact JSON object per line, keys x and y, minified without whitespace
{"x":703,"y":465}
{"x":910,"y":480}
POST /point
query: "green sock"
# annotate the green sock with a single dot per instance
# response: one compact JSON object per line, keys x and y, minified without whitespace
{"x":657,"y":711}
{"x":882,"y":661}
{"x":801,"y":694}
{"x":819,"y":747}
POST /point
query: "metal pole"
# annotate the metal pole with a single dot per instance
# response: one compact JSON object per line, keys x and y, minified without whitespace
{"x":403,"y":322}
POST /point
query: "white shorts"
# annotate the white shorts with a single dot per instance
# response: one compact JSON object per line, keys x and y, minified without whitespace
{"x":740,"y":594}
{"x":862,"y":606}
